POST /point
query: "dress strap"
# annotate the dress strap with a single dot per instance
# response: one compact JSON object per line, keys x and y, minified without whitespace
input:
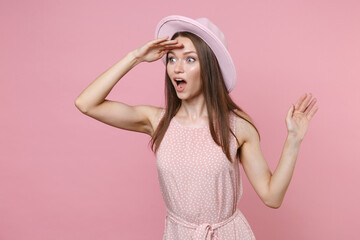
{"x":161,"y":115}
{"x":232,"y":121}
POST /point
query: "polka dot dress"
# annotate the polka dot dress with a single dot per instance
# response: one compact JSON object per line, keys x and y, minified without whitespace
{"x":199,"y":185}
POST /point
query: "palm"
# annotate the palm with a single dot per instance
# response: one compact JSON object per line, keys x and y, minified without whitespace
{"x":299,"y":116}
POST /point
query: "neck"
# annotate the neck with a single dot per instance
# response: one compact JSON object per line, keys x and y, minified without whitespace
{"x":193,"y":109}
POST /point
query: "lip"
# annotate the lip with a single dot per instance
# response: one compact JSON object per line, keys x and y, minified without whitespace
{"x":174,"y":79}
{"x":176,"y":85}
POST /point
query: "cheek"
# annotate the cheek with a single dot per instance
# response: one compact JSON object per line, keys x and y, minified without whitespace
{"x":195,"y":72}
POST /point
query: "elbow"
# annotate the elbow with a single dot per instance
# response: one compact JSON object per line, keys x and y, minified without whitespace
{"x":272,"y":204}
{"x":80,"y":106}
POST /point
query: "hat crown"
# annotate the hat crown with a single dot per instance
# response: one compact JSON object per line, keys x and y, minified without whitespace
{"x":214,"y":29}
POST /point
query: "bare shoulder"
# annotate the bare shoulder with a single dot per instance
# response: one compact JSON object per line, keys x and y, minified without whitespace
{"x":245,"y":131}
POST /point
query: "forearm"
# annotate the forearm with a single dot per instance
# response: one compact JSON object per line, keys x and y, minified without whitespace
{"x":97,"y":91}
{"x":281,"y":178}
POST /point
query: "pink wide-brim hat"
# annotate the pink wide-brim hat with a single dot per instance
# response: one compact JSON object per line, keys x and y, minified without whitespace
{"x":208,"y":32}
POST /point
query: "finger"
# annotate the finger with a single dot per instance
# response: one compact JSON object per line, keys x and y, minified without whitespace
{"x":305,"y":102}
{"x":163,"y":45}
{"x":291,"y":111}
{"x":162,"y":53}
{"x":159,"y":40}
{"x":168,"y":43}
{"x":169,"y":48}
{"x":299,"y":102}
{"x":308,"y":108}
{"x":313,"y":113}
{"x":180,"y":45}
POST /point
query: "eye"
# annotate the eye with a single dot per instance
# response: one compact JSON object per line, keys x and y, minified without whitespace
{"x":170,"y":59}
{"x":192,"y":59}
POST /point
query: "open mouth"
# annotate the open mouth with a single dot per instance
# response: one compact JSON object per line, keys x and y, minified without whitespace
{"x":181,"y":83}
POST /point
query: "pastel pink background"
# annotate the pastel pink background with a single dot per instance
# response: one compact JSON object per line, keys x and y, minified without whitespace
{"x":64,"y":175}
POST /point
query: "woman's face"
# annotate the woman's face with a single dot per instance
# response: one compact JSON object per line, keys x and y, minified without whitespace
{"x":183,"y":63}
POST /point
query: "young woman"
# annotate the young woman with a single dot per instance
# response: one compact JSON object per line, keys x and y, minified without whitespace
{"x":201,"y":136}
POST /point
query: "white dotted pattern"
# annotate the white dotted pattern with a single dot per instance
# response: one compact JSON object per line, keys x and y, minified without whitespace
{"x":198,"y":184}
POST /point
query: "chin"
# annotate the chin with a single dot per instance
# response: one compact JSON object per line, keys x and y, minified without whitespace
{"x":182,"y":96}
{"x":185,"y":96}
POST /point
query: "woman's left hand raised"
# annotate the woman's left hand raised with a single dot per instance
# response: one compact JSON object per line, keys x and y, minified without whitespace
{"x":299,"y":116}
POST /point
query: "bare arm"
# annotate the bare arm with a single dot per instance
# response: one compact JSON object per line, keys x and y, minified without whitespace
{"x":271,"y":188}
{"x":92,"y":100}
{"x":98,"y":90}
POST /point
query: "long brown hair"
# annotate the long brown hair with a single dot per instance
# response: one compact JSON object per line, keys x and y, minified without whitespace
{"x":218,"y":101}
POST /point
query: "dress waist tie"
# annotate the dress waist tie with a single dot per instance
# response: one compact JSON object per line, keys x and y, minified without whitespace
{"x":204,"y":231}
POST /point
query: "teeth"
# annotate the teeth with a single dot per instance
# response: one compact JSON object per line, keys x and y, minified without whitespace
{"x":178,"y":80}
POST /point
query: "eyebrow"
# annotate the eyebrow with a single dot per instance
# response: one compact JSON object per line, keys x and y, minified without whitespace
{"x":184,"y":52}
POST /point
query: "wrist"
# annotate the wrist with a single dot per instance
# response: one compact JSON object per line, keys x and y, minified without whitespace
{"x":133,"y":57}
{"x":293,"y":138}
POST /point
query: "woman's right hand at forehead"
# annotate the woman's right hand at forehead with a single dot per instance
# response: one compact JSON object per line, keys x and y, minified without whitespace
{"x":156,"y":49}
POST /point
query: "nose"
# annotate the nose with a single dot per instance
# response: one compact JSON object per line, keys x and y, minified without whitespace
{"x":179,"y":67}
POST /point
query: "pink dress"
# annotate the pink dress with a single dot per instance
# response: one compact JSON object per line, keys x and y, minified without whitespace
{"x":199,"y":185}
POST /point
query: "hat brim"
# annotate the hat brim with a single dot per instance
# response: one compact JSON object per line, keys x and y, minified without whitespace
{"x":168,"y":26}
